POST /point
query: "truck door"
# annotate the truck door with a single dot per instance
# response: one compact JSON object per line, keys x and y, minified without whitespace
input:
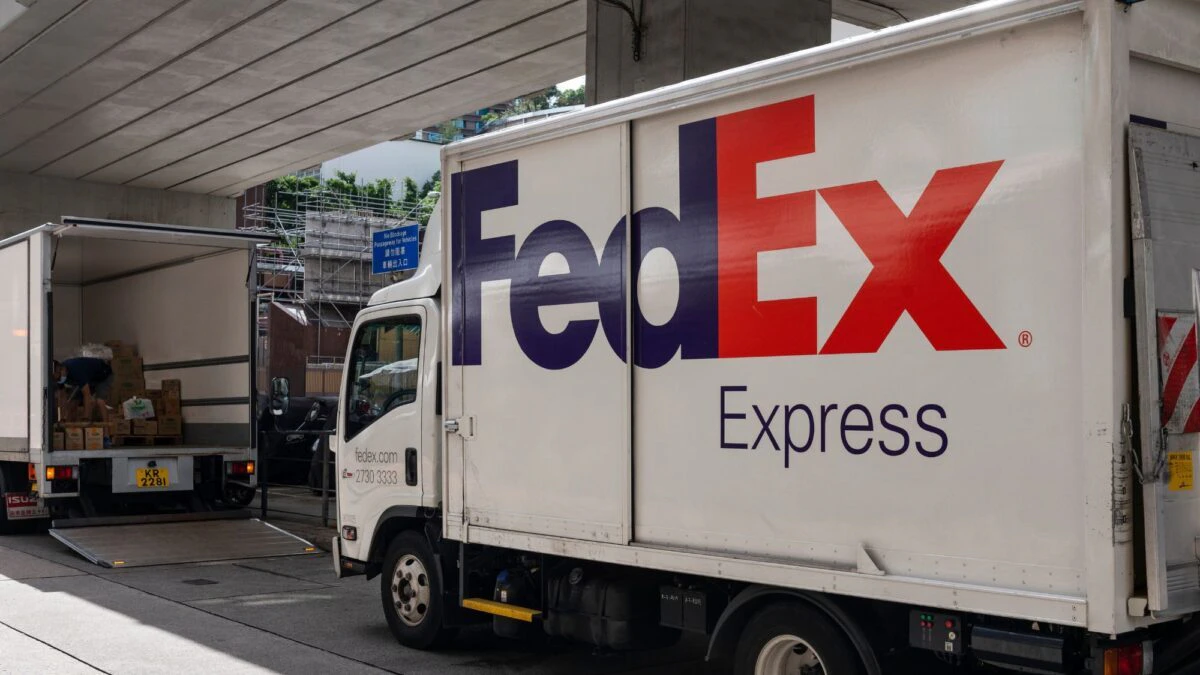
{"x":24,"y":300}
{"x":1165,"y":205}
{"x":538,"y":386}
{"x":381,"y":436}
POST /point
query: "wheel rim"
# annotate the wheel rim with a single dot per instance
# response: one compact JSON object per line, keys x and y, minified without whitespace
{"x":788,"y":655}
{"x":410,"y":590}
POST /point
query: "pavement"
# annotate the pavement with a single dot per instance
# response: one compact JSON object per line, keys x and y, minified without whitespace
{"x":62,"y":614}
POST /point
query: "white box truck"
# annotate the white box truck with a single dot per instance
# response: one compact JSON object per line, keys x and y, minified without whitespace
{"x":185,"y":297}
{"x":881,"y":348}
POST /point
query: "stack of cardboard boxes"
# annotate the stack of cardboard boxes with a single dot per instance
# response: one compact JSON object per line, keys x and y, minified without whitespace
{"x":129,"y":382}
{"x":80,"y":436}
{"x":167,"y":420}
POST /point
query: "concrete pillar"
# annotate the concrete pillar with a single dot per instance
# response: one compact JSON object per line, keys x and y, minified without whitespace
{"x":28,"y":201}
{"x":683,"y":39}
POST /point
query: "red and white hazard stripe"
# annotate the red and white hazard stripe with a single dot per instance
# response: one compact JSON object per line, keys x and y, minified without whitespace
{"x":1178,"y":372}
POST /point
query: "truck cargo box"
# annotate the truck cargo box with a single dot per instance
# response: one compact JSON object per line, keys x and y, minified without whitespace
{"x":877,"y":339}
{"x":180,"y":295}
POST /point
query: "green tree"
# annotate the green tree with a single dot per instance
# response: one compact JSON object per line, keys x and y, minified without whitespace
{"x":448,"y":131}
{"x":418,"y":203}
{"x":281,"y":192}
{"x":569,"y":97}
{"x":379,"y":191}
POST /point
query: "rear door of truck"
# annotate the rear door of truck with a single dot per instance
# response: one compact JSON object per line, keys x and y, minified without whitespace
{"x":1165,"y":205}
{"x":22,"y":343}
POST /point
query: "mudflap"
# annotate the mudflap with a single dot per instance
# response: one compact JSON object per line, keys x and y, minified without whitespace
{"x":24,"y":506}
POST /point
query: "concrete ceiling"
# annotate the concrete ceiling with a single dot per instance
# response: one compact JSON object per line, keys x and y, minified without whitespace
{"x":214,"y":96}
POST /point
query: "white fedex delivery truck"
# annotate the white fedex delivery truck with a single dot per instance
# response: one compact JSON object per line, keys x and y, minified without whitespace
{"x":880,"y":348}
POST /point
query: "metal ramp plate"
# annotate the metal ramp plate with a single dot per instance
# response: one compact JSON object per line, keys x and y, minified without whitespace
{"x":142,"y":545}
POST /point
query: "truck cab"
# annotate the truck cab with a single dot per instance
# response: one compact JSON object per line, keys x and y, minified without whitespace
{"x":389,"y":429}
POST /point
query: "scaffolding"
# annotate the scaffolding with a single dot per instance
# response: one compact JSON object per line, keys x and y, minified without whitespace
{"x":321,"y":257}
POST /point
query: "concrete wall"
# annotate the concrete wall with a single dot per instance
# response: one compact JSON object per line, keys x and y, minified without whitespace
{"x":683,"y":39}
{"x":28,"y":201}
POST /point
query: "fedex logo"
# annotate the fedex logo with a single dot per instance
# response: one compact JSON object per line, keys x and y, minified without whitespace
{"x":715,"y":240}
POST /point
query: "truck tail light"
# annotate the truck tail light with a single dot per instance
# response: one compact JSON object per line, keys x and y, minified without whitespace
{"x":60,"y":472}
{"x":241,"y":468}
{"x":32,"y":472}
{"x":1125,"y":660}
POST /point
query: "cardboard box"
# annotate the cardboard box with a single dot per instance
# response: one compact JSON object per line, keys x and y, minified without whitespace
{"x":172,"y":407}
{"x":120,"y":349}
{"x":74,"y":438}
{"x":170,"y":425}
{"x":70,"y":412}
{"x":93,"y":438}
{"x":145,"y":428}
{"x":127,"y":367}
{"x":122,"y":428}
{"x":172,"y":388}
{"x":125,"y":390}
{"x":59,"y":440}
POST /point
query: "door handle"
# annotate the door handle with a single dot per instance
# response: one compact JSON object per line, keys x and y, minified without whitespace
{"x":463,"y":426}
{"x":410,"y":466}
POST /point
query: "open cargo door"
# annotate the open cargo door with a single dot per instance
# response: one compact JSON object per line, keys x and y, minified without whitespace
{"x":23,"y":304}
{"x":1165,"y":205}
{"x":14,"y":348}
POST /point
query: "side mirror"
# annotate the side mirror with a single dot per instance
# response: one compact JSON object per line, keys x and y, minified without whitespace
{"x":280,"y":398}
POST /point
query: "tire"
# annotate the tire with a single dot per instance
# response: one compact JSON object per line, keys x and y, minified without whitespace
{"x":237,"y":495}
{"x":411,"y":591}
{"x":786,"y":637}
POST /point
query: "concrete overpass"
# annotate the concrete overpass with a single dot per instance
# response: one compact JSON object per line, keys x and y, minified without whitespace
{"x":209,"y":97}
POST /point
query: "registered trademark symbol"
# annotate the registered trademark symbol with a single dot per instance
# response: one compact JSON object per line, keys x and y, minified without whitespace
{"x":1025,"y":338}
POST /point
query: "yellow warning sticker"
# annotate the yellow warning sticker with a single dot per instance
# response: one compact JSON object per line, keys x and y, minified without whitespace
{"x":1183,"y":473}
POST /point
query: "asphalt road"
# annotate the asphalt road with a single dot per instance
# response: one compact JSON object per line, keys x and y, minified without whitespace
{"x":61,"y":614}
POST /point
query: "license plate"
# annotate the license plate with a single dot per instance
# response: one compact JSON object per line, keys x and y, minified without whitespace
{"x":153,"y":478}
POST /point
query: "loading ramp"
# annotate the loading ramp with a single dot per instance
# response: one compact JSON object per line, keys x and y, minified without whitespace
{"x":188,"y":538}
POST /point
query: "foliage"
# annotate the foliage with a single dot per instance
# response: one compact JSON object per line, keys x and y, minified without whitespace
{"x":281,"y":192}
{"x":448,"y":131}
{"x":568,"y":97}
{"x":551,"y":97}
{"x":343,"y":190}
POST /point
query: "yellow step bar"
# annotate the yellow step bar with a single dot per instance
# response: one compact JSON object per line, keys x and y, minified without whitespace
{"x":501,"y":609}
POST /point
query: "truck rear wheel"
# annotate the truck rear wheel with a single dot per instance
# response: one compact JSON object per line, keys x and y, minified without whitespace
{"x":790,"y":638}
{"x":411,"y":590}
{"x":237,"y":495}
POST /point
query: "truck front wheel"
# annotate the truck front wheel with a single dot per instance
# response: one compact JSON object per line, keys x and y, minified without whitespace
{"x":411,"y":590}
{"x":789,"y":638}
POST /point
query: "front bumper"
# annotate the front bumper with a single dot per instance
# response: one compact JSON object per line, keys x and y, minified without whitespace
{"x":345,"y":567}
